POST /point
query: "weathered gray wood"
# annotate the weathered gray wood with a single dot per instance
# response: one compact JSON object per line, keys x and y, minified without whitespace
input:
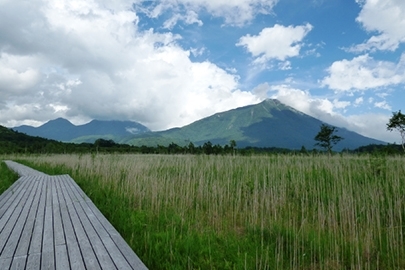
{"x":57,"y":218}
{"x":75,"y":256}
{"x":61,"y":257}
{"x":23,"y":170}
{"x":34,"y":261}
{"x":89,"y":257}
{"x":15,"y":210}
{"x":36,"y":238}
{"x":19,"y":262}
{"x":99,"y":249}
{"x":5,"y":263}
{"x":48,"y":222}
{"x":16,"y":232}
{"x":47,"y":260}
{"x":8,"y":207}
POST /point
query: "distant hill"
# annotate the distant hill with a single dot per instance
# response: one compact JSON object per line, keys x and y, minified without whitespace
{"x":14,"y":142}
{"x":62,"y":130}
{"x":267,"y":124}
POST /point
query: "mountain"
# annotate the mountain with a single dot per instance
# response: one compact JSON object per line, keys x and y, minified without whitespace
{"x":267,"y":124}
{"x":62,"y":130}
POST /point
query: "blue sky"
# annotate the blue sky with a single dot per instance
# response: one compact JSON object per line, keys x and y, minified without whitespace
{"x":168,"y":63}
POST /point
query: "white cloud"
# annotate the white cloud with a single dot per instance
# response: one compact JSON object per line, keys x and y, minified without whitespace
{"x":284,"y":65}
{"x":358,"y":101}
{"x":383,"y":105}
{"x":18,"y":74}
{"x":387,"y":18}
{"x":324,"y":109}
{"x":235,"y":12}
{"x":277,"y":42}
{"x":363,"y":72}
{"x":190,"y":18}
{"x":88,"y":59}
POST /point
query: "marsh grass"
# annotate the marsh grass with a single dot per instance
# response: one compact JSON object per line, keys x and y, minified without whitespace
{"x":7,"y":177}
{"x":259,"y":212}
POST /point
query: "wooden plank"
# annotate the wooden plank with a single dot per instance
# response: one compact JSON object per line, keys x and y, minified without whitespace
{"x":48,"y":249}
{"x":47,"y":261}
{"x":101,"y":253}
{"x":75,"y":256}
{"x":14,"y":239}
{"x":48,"y":258}
{"x":120,"y":251}
{"x":5,"y":263}
{"x":34,"y":261}
{"x":57,"y":217}
{"x":23,"y":245}
{"x":89,"y":257}
{"x":61,"y":258}
{"x":37,"y":233}
{"x":8,"y":207}
{"x":96,"y":242}
{"x":103,"y":245}
{"x":128,"y":253}
{"x":16,"y":208}
{"x":19,"y":263}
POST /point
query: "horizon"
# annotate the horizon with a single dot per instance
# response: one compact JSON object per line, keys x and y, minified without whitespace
{"x":117,"y":120}
{"x":167,"y":63}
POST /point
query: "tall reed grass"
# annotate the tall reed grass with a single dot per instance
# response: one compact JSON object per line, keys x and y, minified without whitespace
{"x":259,"y":212}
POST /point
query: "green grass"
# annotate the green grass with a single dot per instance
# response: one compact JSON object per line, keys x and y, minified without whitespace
{"x":7,"y":177}
{"x":260,"y":212}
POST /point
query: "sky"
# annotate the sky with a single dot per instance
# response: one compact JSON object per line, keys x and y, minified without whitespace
{"x":169,"y":63}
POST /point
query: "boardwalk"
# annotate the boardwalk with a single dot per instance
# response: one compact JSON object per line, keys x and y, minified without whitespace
{"x":47,"y":222}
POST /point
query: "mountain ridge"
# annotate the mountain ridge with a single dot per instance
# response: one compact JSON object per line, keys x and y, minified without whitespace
{"x":61,"y":129}
{"x":269,"y":123}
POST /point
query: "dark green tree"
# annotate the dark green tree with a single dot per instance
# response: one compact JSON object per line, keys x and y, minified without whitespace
{"x":397,"y":122}
{"x":207,"y":148}
{"x":232,"y":144}
{"x":326,"y":137}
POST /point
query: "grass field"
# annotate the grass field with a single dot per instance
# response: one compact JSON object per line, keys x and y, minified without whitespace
{"x":258,"y":212}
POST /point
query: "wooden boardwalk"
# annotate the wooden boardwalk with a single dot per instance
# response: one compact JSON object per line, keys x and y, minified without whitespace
{"x":48,"y":222}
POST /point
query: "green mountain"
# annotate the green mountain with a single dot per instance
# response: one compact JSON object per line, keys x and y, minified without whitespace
{"x":267,"y":124}
{"x":62,"y":130}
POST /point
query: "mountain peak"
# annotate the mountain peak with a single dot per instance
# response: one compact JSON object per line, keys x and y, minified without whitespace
{"x":269,"y":123}
{"x":63,"y":130}
{"x":58,"y":121}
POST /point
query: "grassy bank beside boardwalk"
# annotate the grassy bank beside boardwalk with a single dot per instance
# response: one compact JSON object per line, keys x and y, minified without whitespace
{"x":258,"y":212}
{"x":7,"y":177}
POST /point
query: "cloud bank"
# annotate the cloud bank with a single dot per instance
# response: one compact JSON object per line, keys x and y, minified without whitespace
{"x":88,"y":59}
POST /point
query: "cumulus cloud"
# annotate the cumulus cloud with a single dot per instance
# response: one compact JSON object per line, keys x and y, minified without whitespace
{"x":278,"y":42}
{"x":235,"y":12}
{"x":88,"y":59}
{"x":363,"y":72}
{"x":329,"y":110}
{"x":383,"y":105}
{"x":390,"y":24}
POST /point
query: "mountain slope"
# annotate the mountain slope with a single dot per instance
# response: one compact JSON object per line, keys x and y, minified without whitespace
{"x":62,"y":130}
{"x":267,"y":124}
